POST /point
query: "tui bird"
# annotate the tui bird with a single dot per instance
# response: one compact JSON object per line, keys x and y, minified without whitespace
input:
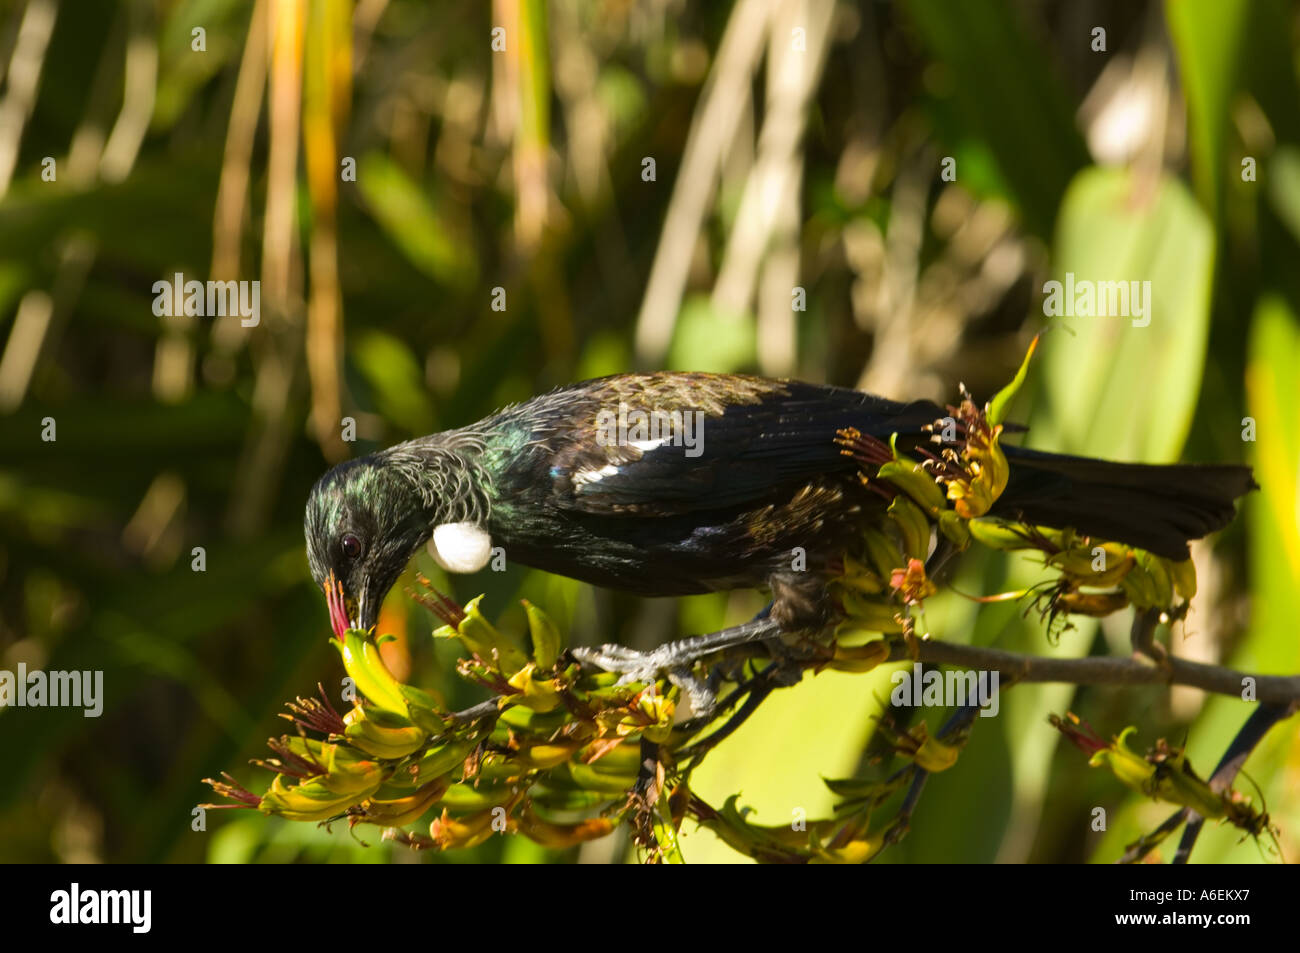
{"x":669,"y":484}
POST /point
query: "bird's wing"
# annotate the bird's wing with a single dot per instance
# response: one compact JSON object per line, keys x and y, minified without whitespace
{"x":722,"y":440}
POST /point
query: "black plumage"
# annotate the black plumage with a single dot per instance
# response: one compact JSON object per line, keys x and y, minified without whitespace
{"x":545,"y":481}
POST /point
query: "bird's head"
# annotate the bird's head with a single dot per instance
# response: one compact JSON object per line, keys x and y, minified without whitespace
{"x":364,"y":522}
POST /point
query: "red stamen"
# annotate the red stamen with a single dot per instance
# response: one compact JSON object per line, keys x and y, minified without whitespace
{"x":335,"y":601}
{"x":444,"y":607}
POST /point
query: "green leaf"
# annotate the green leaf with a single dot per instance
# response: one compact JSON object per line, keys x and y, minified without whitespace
{"x":705,"y":339}
{"x":547,"y":640}
{"x":1283,"y":184}
{"x":396,"y":380}
{"x":1006,"y":96}
{"x":1002,"y":400}
{"x":1126,"y":387}
{"x":417,"y":225}
{"x":1207,"y":36}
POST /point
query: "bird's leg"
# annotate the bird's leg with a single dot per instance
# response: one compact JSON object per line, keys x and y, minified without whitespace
{"x":676,"y":660}
{"x":620,"y":658}
{"x":799,"y":607}
{"x":787,"y":659}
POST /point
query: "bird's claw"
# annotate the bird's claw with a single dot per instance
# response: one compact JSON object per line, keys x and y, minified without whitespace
{"x":676,"y":661}
{"x":647,"y":667}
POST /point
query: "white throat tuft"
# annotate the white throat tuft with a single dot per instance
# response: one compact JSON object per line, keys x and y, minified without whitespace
{"x":460,"y":547}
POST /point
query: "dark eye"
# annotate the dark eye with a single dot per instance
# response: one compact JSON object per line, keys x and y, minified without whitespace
{"x":351,"y":546}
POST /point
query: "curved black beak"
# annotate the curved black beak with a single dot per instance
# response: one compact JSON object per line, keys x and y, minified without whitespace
{"x":368,"y":610}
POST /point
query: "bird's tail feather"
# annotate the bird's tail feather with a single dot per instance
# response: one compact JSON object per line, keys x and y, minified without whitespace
{"x":1154,"y":507}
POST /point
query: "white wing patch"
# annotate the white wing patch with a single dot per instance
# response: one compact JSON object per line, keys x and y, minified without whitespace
{"x":460,"y":547}
{"x":594,"y":476}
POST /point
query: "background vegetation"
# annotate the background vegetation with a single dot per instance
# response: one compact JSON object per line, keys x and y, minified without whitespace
{"x":775,"y":166}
